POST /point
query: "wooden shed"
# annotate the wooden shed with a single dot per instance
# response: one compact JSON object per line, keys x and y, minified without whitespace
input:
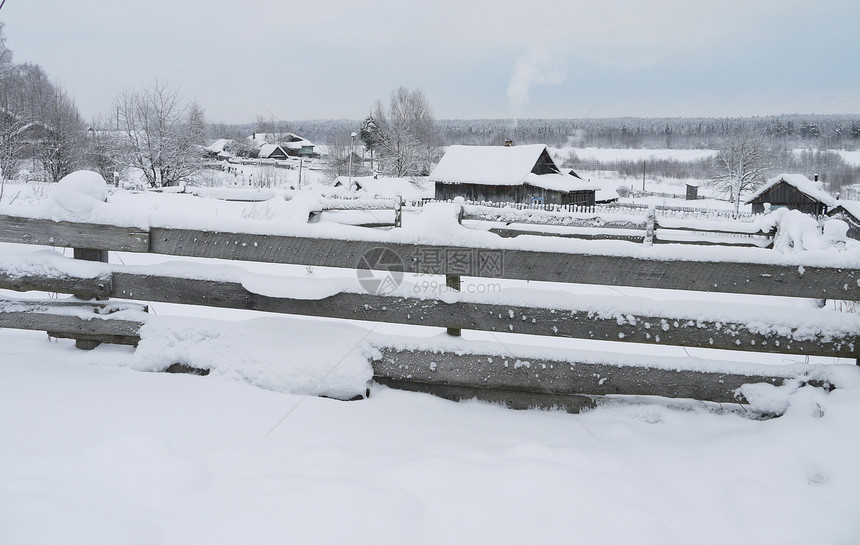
{"x":272,"y":151}
{"x":793,"y":191}
{"x":516,"y":174}
{"x":297,"y":146}
{"x":849,"y":212}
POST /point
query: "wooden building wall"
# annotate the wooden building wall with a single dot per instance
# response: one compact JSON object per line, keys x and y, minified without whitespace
{"x":788,"y":196}
{"x":853,"y":223}
{"x":512,"y":193}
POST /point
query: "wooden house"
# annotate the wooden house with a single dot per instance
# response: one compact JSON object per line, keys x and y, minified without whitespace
{"x":272,"y":151}
{"x":297,"y":146}
{"x":793,"y":191}
{"x":515,"y":174}
{"x":849,"y":212}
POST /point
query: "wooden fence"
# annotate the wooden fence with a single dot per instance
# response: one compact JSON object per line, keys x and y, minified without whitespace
{"x":459,"y":370}
{"x":648,"y":229}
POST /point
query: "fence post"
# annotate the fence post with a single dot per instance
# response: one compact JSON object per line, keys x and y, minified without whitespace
{"x":650,"y":224}
{"x":89,"y":254}
{"x":452,"y":282}
{"x":398,"y":211}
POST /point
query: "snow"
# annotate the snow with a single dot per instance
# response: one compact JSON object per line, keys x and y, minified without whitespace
{"x":94,"y":452}
{"x":605,"y":155}
{"x":218,"y":145}
{"x":850,"y":157}
{"x":799,"y":181}
{"x":408,"y":188}
{"x":78,"y":194}
{"x":500,"y":165}
{"x":288,"y":355}
{"x":852,"y":207}
{"x":268,"y":149}
{"x":97,"y":448}
{"x":799,"y":233}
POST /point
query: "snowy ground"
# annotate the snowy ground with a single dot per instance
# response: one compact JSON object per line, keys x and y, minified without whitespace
{"x":95,"y":450}
{"x":96,"y":453}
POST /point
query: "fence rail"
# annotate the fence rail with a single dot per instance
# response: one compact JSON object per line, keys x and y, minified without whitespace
{"x":659,"y":324}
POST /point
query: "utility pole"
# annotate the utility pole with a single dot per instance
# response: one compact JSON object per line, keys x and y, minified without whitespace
{"x":643,"y":176}
{"x":351,"y":141}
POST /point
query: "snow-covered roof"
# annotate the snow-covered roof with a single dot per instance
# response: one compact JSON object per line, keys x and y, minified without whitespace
{"x":267,"y":150}
{"x":557,"y":182}
{"x":501,"y":165}
{"x":407,"y":188}
{"x":852,"y":207}
{"x":295,"y":142}
{"x":218,"y":145}
{"x":606,"y":194}
{"x":801,"y":183}
{"x":491,"y":165}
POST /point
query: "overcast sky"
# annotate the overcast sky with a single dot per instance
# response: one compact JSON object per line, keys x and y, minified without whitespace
{"x":325,"y":59}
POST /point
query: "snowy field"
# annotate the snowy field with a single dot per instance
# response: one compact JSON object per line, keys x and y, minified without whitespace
{"x":97,"y":450}
{"x":95,"y":453}
{"x":603,"y":155}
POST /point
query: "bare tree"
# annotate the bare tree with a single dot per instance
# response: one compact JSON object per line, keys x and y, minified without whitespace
{"x":161,"y":133}
{"x":60,"y":149}
{"x":743,"y":162}
{"x":409,"y":141}
{"x":102,"y":148}
{"x":13,"y":119}
{"x":337,"y":163}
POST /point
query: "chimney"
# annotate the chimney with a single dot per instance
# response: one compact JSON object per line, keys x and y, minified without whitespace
{"x":509,"y":143}
{"x":815,"y":177}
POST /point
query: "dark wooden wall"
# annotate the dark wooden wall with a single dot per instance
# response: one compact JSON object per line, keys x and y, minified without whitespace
{"x":786,"y":195}
{"x":512,"y":193}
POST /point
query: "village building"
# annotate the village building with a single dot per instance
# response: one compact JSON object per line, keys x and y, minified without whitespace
{"x":291,"y":144}
{"x":849,"y":212}
{"x":389,"y":188}
{"x":515,"y":174}
{"x":272,"y":151}
{"x":297,"y":146}
{"x":793,"y":191}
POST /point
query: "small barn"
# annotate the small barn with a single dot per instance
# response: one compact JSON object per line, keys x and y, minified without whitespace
{"x":297,"y":146}
{"x":793,"y":191}
{"x":849,"y":212}
{"x":272,"y":151}
{"x":516,"y":174}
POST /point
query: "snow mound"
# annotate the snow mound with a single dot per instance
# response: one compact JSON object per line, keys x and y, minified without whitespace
{"x":800,"y":232}
{"x":78,"y":194}
{"x":285,"y":355}
{"x":438,"y":223}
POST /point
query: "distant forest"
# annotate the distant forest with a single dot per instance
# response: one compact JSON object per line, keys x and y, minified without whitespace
{"x":813,"y":133}
{"x":789,"y":131}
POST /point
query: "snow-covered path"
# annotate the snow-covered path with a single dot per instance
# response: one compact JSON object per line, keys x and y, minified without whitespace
{"x":94,"y":452}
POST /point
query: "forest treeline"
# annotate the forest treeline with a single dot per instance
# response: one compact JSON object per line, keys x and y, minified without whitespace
{"x":788,"y":131}
{"x":783,"y":135}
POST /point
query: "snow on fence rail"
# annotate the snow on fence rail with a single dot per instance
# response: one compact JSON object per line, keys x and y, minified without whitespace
{"x":457,"y":368}
{"x":614,"y":207}
{"x":511,"y":222}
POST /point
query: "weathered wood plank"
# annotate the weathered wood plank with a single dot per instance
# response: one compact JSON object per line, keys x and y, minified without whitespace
{"x":637,"y":328}
{"x":64,"y":319}
{"x":565,"y":221}
{"x":98,"y":287}
{"x":496,"y":372}
{"x":507,"y":232}
{"x":74,"y":235}
{"x":513,"y":399}
{"x":707,"y":276}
